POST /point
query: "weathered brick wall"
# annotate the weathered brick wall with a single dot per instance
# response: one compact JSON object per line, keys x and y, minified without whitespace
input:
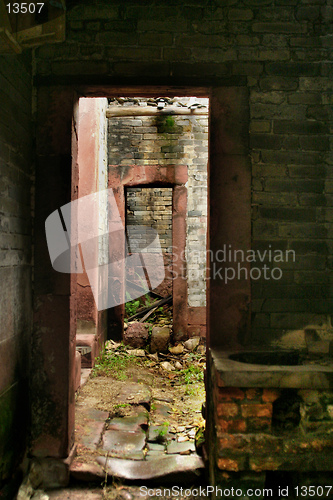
{"x":272,"y":429}
{"x":151,"y":207}
{"x":15,"y":256}
{"x":282,"y":51}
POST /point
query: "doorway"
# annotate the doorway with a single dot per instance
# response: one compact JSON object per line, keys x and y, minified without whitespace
{"x":229,"y":193}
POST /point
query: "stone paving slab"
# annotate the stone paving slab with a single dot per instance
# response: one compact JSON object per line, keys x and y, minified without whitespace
{"x":129,"y":424}
{"x":175,"y":447}
{"x":156,"y":447}
{"x":92,"y":434}
{"x":97,"y":415}
{"x":94,"y":423}
{"x":134,"y":394}
{"x":124,"y":443}
{"x":171,"y":468}
{"x":161,"y":411}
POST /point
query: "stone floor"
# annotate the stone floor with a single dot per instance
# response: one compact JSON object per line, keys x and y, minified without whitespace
{"x":131,"y":447}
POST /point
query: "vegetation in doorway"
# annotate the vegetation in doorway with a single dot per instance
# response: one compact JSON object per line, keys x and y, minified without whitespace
{"x":161,"y":315}
{"x":114,"y":363}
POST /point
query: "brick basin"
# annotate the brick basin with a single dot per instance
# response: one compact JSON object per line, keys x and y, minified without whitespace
{"x":268,"y":418}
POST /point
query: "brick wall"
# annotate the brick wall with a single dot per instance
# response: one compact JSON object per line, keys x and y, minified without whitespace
{"x":151,"y":207}
{"x":281,"y":51}
{"x":15,"y":257}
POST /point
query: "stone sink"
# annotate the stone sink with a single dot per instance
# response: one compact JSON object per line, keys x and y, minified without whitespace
{"x":290,"y":369}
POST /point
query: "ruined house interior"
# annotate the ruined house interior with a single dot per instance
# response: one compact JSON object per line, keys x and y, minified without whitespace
{"x":208,"y":121}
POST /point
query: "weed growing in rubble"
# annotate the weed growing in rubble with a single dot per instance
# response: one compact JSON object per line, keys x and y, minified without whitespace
{"x":162,"y":431}
{"x":192,"y":374}
{"x":131,"y":307}
{"x":113,"y":364}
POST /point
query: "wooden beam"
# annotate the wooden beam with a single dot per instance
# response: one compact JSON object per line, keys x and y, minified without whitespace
{"x":153,"y":111}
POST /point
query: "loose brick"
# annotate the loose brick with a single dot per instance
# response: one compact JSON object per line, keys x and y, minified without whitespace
{"x":256,"y":410}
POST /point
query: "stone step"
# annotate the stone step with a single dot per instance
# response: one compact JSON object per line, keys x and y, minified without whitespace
{"x":176,"y":469}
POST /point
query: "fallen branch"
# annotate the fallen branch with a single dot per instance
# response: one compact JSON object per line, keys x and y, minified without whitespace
{"x":149,"y":313}
{"x":153,"y":306}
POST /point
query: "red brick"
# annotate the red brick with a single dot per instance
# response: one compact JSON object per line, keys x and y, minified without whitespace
{"x":256,"y":410}
{"x":230,"y":393}
{"x":232,"y":426}
{"x":227,"y":410}
{"x":270,"y":395}
{"x":228,"y":464}
{"x":253,"y":394}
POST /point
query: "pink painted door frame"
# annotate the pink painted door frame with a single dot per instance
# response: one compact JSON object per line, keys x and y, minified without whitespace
{"x":174,"y":176}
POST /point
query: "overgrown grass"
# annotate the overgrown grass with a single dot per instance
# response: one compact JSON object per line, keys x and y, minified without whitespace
{"x":114,"y":363}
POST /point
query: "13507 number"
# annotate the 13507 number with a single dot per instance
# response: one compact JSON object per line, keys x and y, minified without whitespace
{"x":311,"y":491}
{"x":24,"y":8}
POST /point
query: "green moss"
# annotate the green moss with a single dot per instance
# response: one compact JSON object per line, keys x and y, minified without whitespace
{"x":166,"y":125}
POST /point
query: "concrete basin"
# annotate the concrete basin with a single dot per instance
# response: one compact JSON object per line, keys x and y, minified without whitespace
{"x":272,"y":368}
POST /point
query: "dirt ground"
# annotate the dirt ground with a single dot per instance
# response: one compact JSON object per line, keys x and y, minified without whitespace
{"x":179,"y":393}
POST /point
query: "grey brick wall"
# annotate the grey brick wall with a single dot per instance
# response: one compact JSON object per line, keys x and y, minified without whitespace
{"x":152,"y":207}
{"x":15,"y":256}
{"x":282,"y":51}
